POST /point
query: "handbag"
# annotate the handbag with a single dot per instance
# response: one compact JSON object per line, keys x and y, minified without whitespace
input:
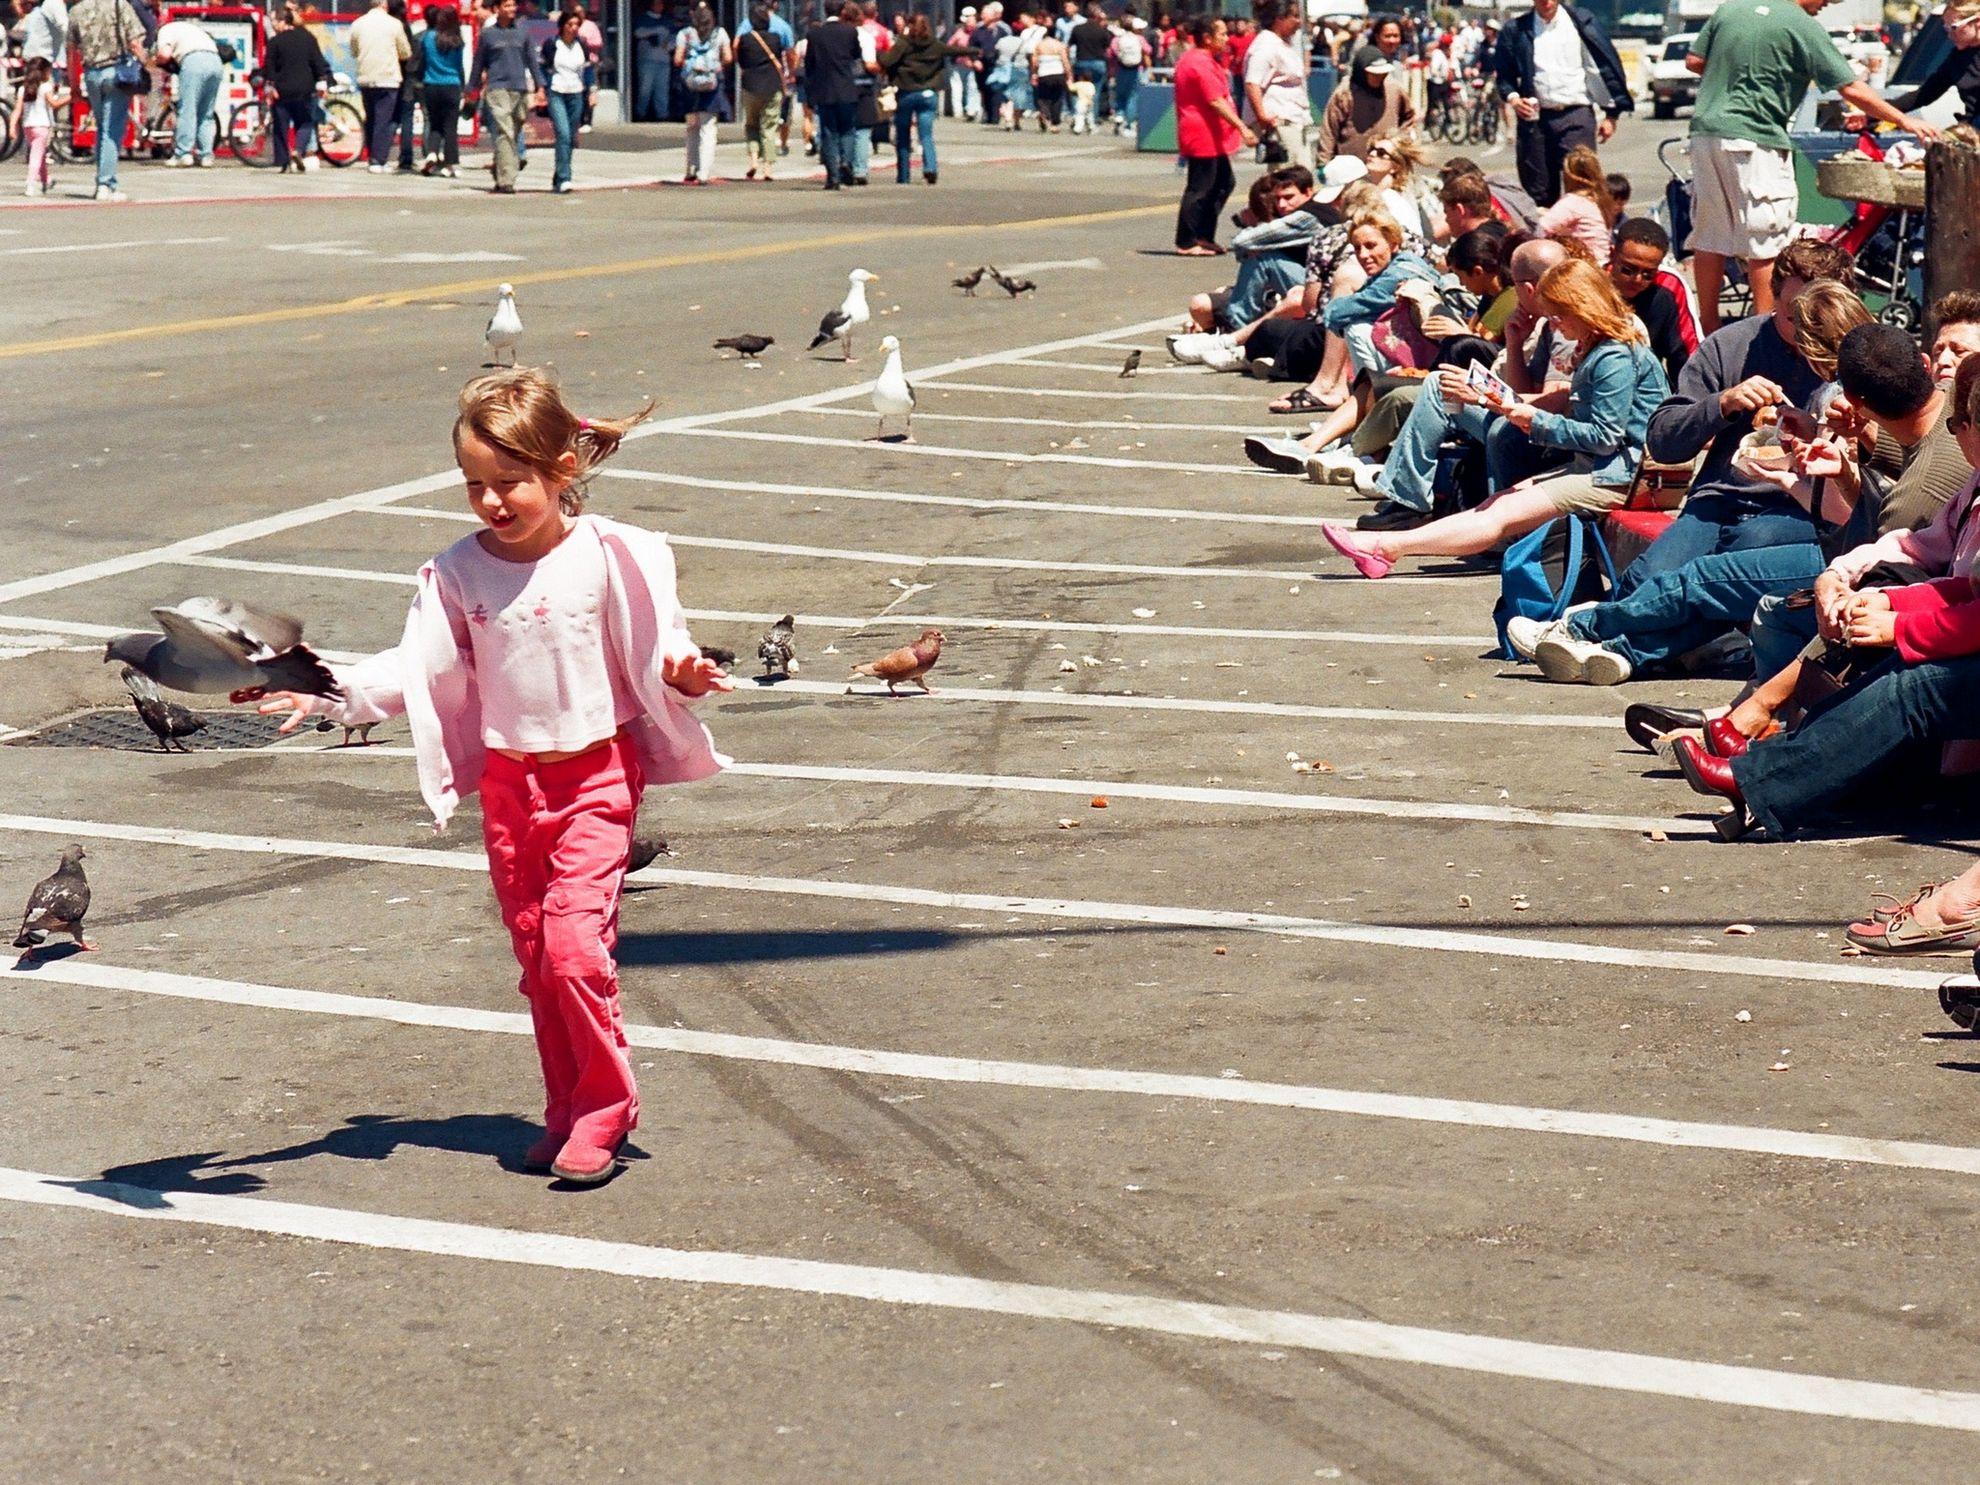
{"x":131,"y":76}
{"x":886,"y":101}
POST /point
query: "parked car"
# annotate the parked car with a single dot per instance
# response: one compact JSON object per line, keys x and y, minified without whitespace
{"x":1671,"y":82}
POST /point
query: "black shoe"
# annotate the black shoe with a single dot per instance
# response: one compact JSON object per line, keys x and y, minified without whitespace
{"x":1388,"y":516}
{"x":1645,"y":722}
{"x":928,"y":176}
{"x":831,"y":185}
{"x":860,"y":180}
{"x":1960,"y":999}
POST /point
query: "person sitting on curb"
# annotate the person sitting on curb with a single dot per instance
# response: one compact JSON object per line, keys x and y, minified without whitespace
{"x":1271,"y":255}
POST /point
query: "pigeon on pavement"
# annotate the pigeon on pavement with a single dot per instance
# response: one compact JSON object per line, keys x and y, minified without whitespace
{"x":908,"y":663}
{"x":646,"y":849}
{"x":724,"y":658}
{"x":749,"y":347}
{"x":778,"y":648}
{"x":216,"y":644}
{"x":57,"y":904}
{"x":1130,"y":366}
{"x":968,"y":282}
{"x":504,"y":329}
{"x":852,"y":312}
{"x":1013,"y":286}
{"x":167,"y":720}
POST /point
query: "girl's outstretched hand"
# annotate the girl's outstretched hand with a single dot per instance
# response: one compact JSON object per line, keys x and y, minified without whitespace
{"x":695,"y":675}
{"x":293,"y":702}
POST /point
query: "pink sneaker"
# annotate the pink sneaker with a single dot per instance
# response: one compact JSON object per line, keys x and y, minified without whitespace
{"x":543,"y":1154}
{"x":1368,"y":564}
{"x":583,"y":1164}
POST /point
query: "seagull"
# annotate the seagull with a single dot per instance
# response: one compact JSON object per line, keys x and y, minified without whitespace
{"x":216,"y":644}
{"x":968,"y":282}
{"x":504,"y":329}
{"x":849,"y":316}
{"x":892,"y":396}
{"x":1130,"y":366}
{"x":749,"y":347}
{"x":169,"y":722}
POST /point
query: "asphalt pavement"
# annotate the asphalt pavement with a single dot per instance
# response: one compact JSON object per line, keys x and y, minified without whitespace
{"x":1231,"y":1031}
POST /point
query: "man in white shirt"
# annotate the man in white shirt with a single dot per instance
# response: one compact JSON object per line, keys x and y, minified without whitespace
{"x":1558,"y":69}
{"x":1275,"y":79}
{"x":45,"y":33}
{"x":380,"y":48}
{"x":196,"y":55}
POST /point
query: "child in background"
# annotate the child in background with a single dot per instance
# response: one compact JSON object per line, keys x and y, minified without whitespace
{"x":546,"y":661}
{"x":34,"y":120}
{"x":1619,"y":193}
{"x":1585,"y":211}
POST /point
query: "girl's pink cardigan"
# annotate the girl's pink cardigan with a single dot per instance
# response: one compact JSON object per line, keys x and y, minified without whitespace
{"x":429,"y":677}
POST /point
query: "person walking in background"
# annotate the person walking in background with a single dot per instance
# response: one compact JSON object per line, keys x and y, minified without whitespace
{"x":1275,"y":80}
{"x":1129,"y":54}
{"x":45,"y":34}
{"x":593,"y":41}
{"x":991,"y":80}
{"x":766,"y":76}
{"x":186,"y":47}
{"x":915,"y":64}
{"x":702,"y":53}
{"x":1208,"y":133}
{"x":565,"y":62}
{"x":409,"y":88}
{"x":1557,"y":68}
{"x":103,"y":33}
{"x":653,"y":64}
{"x":443,"y":66}
{"x":835,"y":56}
{"x":1090,"y":41}
{"x":298,"y":74}
{"x":965,"y":100}
{"x":380,"y":49}
{"x":34,"y":120}
{"x":505,"y":70}
{"x":1369,"y":106}
{"x":1756,"y":60}
{"x":1051,"y":68}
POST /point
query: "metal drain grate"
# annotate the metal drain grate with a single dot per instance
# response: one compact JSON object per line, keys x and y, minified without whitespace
{"x":123,"y":728}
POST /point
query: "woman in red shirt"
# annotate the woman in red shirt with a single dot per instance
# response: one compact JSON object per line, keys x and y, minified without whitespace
{"x":1208,"y":133}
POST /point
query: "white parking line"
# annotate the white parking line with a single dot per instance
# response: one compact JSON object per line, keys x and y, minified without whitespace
{"x":1680,"y":1134}
{"x":945,"y":451}
{"x":899,"y":497}
{"x":1122,"y":425}
{"x":1114,"y":370}
{"x":1222,"y":920}
{"x":67,"y":248}
{"x":1616,"y":1371}
{"x":927,"y":382}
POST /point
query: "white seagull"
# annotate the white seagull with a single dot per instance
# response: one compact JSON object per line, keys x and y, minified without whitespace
{"x":892,"y":396}
{"x":849,"y":316}
{"x":504,"y":329}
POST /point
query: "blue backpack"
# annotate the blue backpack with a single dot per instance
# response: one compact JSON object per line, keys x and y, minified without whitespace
{"x":1548,"y":571}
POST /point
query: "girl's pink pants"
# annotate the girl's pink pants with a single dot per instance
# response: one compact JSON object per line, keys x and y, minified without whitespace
{"x":558,"y":835}
{"x":38,"y":137}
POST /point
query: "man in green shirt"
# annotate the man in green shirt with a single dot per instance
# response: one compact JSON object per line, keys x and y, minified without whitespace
{"x":1756,"y":60}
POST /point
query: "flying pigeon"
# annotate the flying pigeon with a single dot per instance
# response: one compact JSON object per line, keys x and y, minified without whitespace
{"x":908,"y":663}
{"x":167,"y":720}
{"x":504,"y":329}
{"x":968,"y":282}
{"x":724,"y":658}
{"x":848,"y":317}
{"x":778,"y":648}
{"x":646,"y":849}
{"x":749,"y":347}
{"x":363,"y":731}
{"x":892,"y":396}
{"x":1013,"y":286}
{"x":1130,"y":366}
{"x":216,"y":644}
{"x":57,"y":905}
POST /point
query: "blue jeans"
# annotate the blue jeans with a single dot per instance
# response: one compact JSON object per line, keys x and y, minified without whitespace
{"x":1779,"y":635}
{"x":1671,"y":612}
{"x":963,"y":97}
{"x":197,"y":121}
{"x":1409,"y":475}
{"x":840,"y":141}
{"x":1020,"y":95}
{"x":1095,"y":73}
{"x":566,"y":110}
{"x":298,"y":114}
{"x":1855,"y":739}
{"x":1127,"y":83}
{"x":1261,"y":283}
{"x":112,"y":112}
{"x":915,"y":111}
{"x":1717,"y":524}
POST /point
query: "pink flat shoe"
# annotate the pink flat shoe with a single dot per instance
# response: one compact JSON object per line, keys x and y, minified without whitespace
{"x":1368,"y":564}
{"x":584,"y":1164}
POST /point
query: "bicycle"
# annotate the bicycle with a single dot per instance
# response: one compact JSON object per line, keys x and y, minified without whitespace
{"x":1487,"y":112}
{"x":1448,"y":117}
{"x":339,"y":128}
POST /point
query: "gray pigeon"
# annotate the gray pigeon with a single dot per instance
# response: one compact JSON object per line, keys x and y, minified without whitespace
{"x":749,"y":347}
{"x":1013,"y":286}
{"x":968,"y":282}
{"x":216,"y":644}
{"x":1133,"y":364}
{"x":646,"y":849}
{"x":778,"y":648}
{"x":167,"y":720}
{"x":57,"y":904}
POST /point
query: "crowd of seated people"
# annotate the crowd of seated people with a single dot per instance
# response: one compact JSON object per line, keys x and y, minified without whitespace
{"x":1482,"y":369}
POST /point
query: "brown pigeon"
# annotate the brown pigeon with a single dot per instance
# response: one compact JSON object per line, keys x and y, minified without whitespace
{"x":908,"y":663}
{"x":57,"y":904}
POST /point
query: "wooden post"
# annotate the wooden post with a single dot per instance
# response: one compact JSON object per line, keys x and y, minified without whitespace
{"x":1952,"y":220}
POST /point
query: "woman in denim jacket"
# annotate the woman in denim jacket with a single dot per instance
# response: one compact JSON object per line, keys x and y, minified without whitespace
{"x":1618,"y":382}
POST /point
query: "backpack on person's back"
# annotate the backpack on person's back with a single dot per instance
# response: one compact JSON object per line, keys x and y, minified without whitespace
{"x":701,"y":67}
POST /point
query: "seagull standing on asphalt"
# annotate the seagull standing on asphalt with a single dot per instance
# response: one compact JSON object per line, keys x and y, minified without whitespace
{"x":849,"y":316}
{"x":892,"y":396}
{"x":504,"y":329}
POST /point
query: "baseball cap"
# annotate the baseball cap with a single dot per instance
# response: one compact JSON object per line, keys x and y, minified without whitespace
{"x":1370,"y":60}
{"x":1340,"y":172}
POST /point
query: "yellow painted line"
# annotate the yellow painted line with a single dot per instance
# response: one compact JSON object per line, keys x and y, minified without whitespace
{"x":398,"y":298}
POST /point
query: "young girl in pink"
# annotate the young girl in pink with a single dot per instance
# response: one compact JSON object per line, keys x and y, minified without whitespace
{"x":35,"y":120}
{"x":546,"y":661}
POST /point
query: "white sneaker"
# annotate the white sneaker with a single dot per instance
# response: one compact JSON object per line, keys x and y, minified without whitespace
{"x":374,"y":170}
{"x":1562,"y":656}
{"x":34,"y":189}
{"x":1189,"y":348}
{"x":1342,"y":467}
{"x":1525,"y":635}
{"x":1223,"y":354}
{"x":110,"y":193}
{"x":309,"y":163}
{"x":182,"y":162}
{"x":1261,"y":367}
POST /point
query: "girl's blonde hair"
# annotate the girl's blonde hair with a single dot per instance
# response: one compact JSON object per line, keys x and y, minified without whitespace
{"x":1381,"y":221}
{"x":1409,"y":157}
{"x":1584,"y":291}
{"x":1582,"y":171}
{"x":1359,"y":196}
{"x":1823,"y":314}
{"x":520,"y":411}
